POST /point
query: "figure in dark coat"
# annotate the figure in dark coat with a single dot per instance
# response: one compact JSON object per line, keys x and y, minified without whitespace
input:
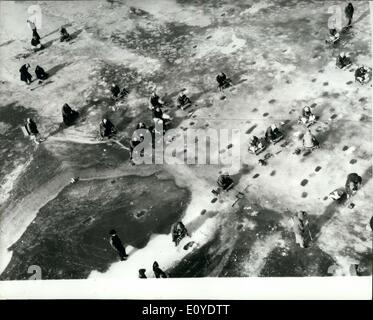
{"x":362,"y":75}
{"x":155,"y":101}
{"x":183,"y":101}
{"x":31,"y":127}
{"x":273,"y":133}
{"x":117,"y":245}
{"x":225,"y":181}
{"x":343,"y":60}
{"x":142,"y":274}
{"x":25,"y":75}
{"x":64,"y":35}
{"x":69,"y":115}
{"x":179,"y":232}
{"x":35,"y":42}
{"x":158,"y":272}
{"x":349,"y":12}
{"x":115,"y":90}
{"x":223,"y":81}
{"x":353,"y":183}
{"x":40,"y":73}
{"x":107,"y":129}
{"x":157,"y":113}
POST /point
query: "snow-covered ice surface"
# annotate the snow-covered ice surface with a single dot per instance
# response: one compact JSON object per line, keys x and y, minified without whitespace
{"x":275,"y":54}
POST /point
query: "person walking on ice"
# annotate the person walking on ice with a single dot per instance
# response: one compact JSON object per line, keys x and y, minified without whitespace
{"x":301,"y":229}
{"x":117,"y":245}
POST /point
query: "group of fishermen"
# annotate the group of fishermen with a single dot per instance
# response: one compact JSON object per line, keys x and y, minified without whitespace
{"x":343,"y":60}
{"x":26,"y":76}
{"x":363,"y":74}
{"x":156,"y":106}
{"x":334,"y":35}
{"x":40,"y":73}
{"x":35,"y":39}
{"x":178,"y":233}
{"x":69,"y":116}
{"x":272,"y":135}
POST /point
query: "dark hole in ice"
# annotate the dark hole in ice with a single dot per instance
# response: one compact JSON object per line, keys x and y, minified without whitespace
{"x":265,"y":114}
{"x":345,"y":148}
{"x":256,"y":176}
{"x":273,"y":173}
{"x":304,"y":194}
{"x":272,"y":101}
{"x":304,"y":182}
{"x":203,"y":211}
{"x":251,"y":129}
{"x":353,"y":161}
{"x":318,"y":168}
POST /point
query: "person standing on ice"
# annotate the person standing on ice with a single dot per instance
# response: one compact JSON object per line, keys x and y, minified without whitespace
{"x":24,"y":74}
{"x":117,"y":245}
{"x":35,"y":33}
{"x":107,"y":129}
{"x":178,"y":232}
{"x":115,"y":90}
{"x":32,"y":130}
{"x":158,"y":272}
{"x":349,"y":12}
{"x":35,"y":40}
{"x":300,"y":228}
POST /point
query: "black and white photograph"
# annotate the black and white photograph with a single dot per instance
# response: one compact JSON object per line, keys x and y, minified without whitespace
{"x":185,"y":139}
